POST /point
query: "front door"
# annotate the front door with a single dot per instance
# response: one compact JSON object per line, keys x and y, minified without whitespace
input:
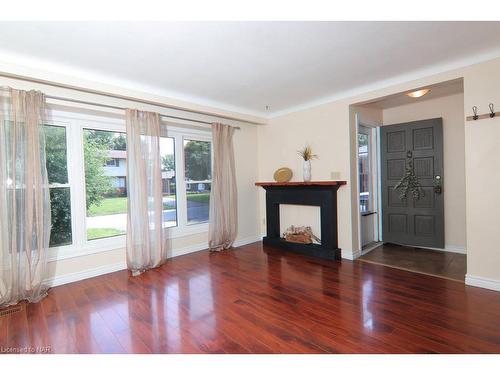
{"x":413,"y":221}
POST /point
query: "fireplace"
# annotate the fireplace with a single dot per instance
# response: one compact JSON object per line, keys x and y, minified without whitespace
{"x":313,"y":193}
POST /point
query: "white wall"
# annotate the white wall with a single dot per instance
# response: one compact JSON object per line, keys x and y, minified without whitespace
{"x":319,"y":127}
{"x":451,"y":109}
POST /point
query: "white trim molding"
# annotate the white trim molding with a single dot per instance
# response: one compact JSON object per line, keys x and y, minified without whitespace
{"x":482,"y":282}
{"x":102,"y":270}
{"x":350,"y":256}
{"x":455,"y":249}
{"x":86,"y":274}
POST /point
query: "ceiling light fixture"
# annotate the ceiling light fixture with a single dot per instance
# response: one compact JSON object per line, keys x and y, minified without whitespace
{"x":418,"y":93}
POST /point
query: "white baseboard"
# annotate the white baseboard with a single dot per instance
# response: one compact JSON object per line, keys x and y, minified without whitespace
{"x":86,"y":274}
{"x":454,"y":249}
{"x":350,"y":256}
{"x":247,"y":240}
{"x":102,"y":270}
{"x":482,"y":282}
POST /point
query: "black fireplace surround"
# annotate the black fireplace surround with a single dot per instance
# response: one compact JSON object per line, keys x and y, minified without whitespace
{"x":313,"y":193}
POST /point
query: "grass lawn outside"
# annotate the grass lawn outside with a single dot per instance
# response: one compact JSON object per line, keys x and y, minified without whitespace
{"x":109,"y":206}
{"x":195,"y":197}
{"x":94,"y":233}
{"x":118,"y":205}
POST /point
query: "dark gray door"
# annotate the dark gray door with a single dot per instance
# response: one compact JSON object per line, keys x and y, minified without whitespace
{"x":413,"y":222}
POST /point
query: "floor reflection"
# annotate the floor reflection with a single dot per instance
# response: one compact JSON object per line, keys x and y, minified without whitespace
{"x":201,"y":303}
{"x":367,"y":295}
{"x":172,"y":317}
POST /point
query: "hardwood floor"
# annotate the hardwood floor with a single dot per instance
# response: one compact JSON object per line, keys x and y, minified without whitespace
{"x":257,"y":299}
{"x":432,"y":262}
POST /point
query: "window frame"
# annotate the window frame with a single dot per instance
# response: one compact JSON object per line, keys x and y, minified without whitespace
{"x":179,"y":134}
{"x":368,"y":170}
{"x":75,"y":122}
{"x":63,"y":124}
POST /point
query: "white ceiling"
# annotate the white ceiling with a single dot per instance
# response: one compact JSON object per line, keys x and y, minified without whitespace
{"x":245,"y":66}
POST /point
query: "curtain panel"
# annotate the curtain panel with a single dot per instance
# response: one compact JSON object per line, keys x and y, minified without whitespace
{"x":146,"y":240}
{"x":223,"y":214}
{"x":24,"y":198}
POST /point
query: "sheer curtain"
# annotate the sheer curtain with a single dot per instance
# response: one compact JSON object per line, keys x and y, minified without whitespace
{"x":223,"y":219}
{"x":146,"y":241}
{"x":24,"y":198}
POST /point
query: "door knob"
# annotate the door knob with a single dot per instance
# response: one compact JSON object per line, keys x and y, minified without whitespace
{"x":438,"y":189}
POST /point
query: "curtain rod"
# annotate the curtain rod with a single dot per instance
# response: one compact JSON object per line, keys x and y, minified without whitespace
{"x":124,"y":108}
{"x":123,"y":97}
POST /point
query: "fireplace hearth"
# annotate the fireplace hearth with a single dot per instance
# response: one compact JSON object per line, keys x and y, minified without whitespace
{"x":312,"y":193}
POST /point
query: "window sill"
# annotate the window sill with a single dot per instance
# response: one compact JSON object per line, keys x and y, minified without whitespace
{"x":187,"y":230}
{"x":116,"y":243}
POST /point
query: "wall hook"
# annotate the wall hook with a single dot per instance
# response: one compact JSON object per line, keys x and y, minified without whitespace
{"x":474,"y":110}
{"x":492,"y":112}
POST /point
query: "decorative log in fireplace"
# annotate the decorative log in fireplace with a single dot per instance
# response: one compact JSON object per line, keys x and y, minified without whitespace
{"x":313,"y":193}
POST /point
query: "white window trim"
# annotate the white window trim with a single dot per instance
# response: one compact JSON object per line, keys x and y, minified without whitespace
{"x":179,"y":134}
{"x":74,"y":123}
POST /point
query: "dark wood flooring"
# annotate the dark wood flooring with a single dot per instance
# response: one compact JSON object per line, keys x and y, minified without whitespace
{"x":257,"y":299}
{"x":432,"y":262}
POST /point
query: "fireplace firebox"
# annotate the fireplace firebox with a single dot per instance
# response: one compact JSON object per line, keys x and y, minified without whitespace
{"x":313,"y":193}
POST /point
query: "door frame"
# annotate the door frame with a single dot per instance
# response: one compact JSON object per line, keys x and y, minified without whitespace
{"x":376,"y":181}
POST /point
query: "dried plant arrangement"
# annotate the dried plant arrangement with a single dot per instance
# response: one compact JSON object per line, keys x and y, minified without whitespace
{"x":306,"y":153}
{"x":409,"y":184}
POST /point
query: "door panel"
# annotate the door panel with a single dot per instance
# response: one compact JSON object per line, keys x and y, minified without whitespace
{"x":408,"y":221}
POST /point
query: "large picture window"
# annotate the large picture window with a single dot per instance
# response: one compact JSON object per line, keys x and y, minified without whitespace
{"x":87,"y":173}
{"x":198,"y":179}
{"x":105,"y":183}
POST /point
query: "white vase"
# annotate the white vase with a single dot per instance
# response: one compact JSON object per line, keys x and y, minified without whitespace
{"x":307,"y":170}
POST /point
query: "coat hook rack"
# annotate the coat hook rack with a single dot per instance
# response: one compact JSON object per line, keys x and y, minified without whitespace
{"x":475,"y":116}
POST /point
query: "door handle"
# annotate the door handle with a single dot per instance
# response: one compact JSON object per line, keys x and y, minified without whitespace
{"x":438,"y":186}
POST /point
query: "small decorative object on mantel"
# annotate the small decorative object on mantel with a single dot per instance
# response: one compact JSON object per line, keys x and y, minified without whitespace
{"x":307,"y":155}
{"x":300,"y":235}
{"x":283,"y":174}
{"x":409,"y":183}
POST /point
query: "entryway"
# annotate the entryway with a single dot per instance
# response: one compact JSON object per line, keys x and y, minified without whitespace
{"x":411,"y":168}
{"x":430,"y":262}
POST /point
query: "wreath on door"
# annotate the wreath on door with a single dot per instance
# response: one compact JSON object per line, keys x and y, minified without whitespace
{"x":409,"y":183}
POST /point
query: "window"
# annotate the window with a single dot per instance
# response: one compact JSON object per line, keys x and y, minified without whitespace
{"x":106,"y":193}
{"x":365,"y":170}
{"x":57,"y":171}
{"x":87,"y":172}
{"x":198,"y":179}
{"x":167,"y":153}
